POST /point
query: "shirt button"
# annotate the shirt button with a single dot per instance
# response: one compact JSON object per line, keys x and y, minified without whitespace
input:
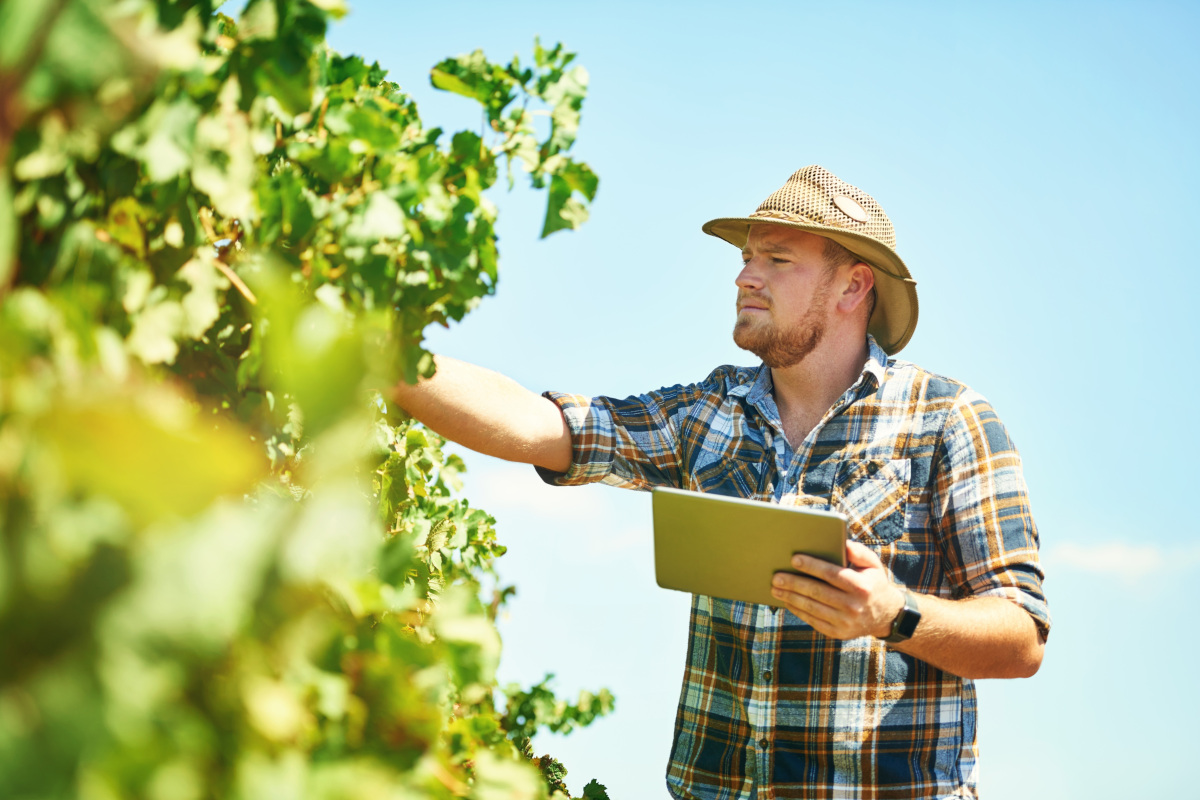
{"x":763,"y":743}
{"x":767,"y":675}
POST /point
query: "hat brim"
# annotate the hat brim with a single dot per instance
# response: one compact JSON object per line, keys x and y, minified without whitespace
{"x":895,"y":316}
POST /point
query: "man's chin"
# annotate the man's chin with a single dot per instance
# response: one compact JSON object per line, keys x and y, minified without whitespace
{"x":743,"y":335}
{"x":774,"y":351}
{"x":748,"y":339}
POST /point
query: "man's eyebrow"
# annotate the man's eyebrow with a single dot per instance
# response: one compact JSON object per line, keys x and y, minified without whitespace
{"x":770,"y":248}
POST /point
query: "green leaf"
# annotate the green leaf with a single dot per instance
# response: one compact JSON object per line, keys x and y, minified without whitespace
{"x":225,"y":166}
{"x":117,"y":444}
{"x":154,"y":332}
{"x":163,"y":139}
{"x":332,"y":160}
{"x":335,"y":8}
{"x":285,"y":72}
{"x":18,"y":24}
{"x":198,"y":579}
{"x":315,"y":353}
{"x":393,"y":488}
{"x":580,"y":178}
{"x":201,"y":306}
{"x":563,"y":211}
{"x":594,"y":791}
{"x":80,"y":56}
{"x":372,"y":127}
{"x":259,"y":20}
{"x":461,"y":624}
{"x":503,"y":779}
{"x":286,"y":209}
{"x":566,"y":97}
{"x":124,"y":224}
{"x":416,"y":440}
{"x":475,"y":77}
{"x":379,"y":218}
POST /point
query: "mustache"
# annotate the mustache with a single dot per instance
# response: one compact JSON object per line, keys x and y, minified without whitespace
{"x":760,"y":300}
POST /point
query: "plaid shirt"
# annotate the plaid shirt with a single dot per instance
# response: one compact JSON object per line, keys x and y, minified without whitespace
{"x":928,"y":477}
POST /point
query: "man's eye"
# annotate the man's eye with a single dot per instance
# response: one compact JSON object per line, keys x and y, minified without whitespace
{"x":778,"y":260}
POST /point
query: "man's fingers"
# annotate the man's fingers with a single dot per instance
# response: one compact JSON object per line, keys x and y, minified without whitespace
{"x":809,"y":609}
{"x":817,"y":567}
{"x":832,"y":574}
{"x":805,"y":587}
{"x":861,"y":556}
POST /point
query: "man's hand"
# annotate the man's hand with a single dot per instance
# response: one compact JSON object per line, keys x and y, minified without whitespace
{"x":977,"y":637}
{"x":842,"y":602}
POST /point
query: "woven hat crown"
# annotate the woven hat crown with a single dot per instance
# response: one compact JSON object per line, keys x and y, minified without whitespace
{"x":812,"y":195}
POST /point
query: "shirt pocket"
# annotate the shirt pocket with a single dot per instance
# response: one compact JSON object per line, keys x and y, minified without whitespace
{"x":739,"y":474}
{"x":873,"y":494}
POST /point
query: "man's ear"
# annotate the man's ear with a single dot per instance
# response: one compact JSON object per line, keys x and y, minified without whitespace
{"x":860,"y":279}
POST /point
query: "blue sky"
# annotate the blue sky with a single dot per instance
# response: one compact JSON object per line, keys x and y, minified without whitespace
{"x":1039,"y":161}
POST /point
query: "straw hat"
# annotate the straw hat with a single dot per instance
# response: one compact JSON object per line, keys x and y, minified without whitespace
{"x":817,"y":201}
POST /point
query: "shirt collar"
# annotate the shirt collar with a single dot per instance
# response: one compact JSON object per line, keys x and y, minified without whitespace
{"x":760,"y":389}
{"x":877,"y":360}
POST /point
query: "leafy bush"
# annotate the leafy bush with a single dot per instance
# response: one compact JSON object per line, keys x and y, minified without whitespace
{"x":228,"y":567}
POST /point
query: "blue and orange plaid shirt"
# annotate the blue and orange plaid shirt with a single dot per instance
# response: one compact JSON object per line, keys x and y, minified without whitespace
{"x":926,"y":473}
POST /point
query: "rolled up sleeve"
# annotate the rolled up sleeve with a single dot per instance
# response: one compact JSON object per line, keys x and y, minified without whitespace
{"x":632,"y":443}
{"x":981,"y":506}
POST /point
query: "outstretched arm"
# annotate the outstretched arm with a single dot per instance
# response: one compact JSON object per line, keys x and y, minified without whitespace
{"x":489,"y":413}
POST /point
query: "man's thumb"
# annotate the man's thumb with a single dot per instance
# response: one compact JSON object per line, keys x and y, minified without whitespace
{"x":859,"y":555}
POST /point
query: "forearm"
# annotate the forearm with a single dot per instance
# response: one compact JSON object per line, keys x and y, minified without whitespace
{"x":489,"y":413}
{"x":983,"y":637}
{"x":979,"y":637}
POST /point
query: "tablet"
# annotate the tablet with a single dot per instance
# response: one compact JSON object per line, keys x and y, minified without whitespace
{"x":730,"y":547}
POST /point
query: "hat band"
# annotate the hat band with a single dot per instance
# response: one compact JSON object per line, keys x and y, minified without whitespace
{"x":787,"y":217}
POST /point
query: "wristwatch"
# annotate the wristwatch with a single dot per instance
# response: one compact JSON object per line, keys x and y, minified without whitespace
{"x":905,"y":623}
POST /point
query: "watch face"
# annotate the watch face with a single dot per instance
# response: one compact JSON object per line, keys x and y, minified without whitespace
{"x":906,"y":621}
{"x":906,"y":625}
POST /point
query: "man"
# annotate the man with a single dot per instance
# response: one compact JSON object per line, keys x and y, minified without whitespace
{"x":863,"y":687}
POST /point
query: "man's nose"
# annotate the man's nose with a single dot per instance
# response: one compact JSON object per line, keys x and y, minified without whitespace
{"x":749,"y":277}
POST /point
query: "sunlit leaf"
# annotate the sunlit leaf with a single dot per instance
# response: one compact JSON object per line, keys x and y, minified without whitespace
{"x":150,"y":453}
{"x":124,"y":224}
{"x":503,"y":779}
{"x":154,"y":332}
{"x":201,"y":305}
{"x":381,"y":218}
{"x":163,"y":139}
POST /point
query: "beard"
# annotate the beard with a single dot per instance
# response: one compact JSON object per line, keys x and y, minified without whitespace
{"x":778,"y":347}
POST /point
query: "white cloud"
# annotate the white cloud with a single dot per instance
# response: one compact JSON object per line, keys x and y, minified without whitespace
{"x":1129,"y":562}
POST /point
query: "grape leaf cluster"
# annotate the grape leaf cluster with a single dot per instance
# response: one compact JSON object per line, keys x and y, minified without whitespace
{"x":229,"y":566}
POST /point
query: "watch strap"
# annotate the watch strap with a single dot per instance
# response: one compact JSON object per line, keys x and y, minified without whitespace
{"x":905,"y":623}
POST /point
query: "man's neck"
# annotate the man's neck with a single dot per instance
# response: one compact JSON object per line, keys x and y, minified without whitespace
{"x":805,"y":391}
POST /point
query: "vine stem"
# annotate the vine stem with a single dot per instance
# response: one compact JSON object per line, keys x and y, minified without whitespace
{"x":452,"y":783}
{"x":236,"y":281}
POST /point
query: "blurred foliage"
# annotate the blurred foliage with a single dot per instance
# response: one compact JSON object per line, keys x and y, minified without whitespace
{"x":229,"y":568}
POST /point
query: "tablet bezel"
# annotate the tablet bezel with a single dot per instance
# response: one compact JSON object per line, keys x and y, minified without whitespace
{"x":697,"y":548}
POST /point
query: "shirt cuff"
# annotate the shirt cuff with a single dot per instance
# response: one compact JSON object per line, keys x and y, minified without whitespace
{"x":1034,"y":606}
{"x":592,"y":441}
